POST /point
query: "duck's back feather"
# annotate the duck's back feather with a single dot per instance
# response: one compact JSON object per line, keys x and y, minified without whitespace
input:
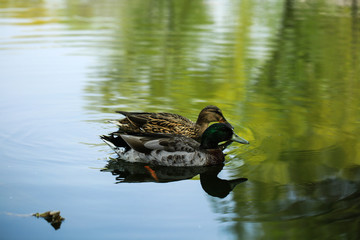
{"x":145,"y":122}
{"x":169,"y":143}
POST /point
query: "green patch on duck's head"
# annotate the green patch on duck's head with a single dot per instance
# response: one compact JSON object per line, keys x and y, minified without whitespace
{"x":219,"y":132}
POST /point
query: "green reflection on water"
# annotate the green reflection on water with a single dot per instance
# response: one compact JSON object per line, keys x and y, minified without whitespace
{"x":287,"y":79}
{"x":300,"y":101}
{"x":182,"y":62}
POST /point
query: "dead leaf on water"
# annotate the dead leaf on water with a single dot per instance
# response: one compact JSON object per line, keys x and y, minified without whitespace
{"x":52,"y":217}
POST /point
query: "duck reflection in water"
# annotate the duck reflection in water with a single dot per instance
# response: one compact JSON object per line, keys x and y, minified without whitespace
{"x":127,"y":172}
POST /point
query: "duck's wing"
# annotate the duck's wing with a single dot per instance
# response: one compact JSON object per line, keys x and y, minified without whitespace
{"x":169,"y":123}
{"x":169,"y":143}
{"x":145,"y":122}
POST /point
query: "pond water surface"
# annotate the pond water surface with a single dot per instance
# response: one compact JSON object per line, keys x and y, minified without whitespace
{"x":286,"y":75}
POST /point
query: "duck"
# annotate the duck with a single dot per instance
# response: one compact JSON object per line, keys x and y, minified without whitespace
{"x":169,"y":123}
{"x":173,"y":150}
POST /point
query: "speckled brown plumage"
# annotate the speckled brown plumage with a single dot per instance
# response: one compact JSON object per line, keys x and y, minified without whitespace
{"x":145,"y":122}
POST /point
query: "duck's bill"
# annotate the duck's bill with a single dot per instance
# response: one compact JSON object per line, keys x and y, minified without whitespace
{"x":239,"y":139}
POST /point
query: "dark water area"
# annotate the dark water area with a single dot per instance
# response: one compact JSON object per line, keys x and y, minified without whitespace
{"x":285,"y":74}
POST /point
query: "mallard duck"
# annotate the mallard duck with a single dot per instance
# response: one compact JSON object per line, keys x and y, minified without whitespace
{"x":173,"y":150}
{"x":146,"y":122}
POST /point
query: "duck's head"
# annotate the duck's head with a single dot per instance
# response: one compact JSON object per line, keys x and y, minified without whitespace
{"x":219,"y":132}
{"x":211,"y":114}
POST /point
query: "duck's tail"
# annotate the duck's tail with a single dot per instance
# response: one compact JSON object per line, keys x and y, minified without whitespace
{"x":115,"y":142}
{"x":116,"y":122}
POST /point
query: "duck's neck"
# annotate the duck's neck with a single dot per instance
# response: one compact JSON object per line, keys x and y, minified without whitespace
{"x":201,"y":125}
{"x":217,"y":156}
{"x":207,"y":143}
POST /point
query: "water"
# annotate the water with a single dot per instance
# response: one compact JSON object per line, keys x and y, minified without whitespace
{"x":285,"y":74}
